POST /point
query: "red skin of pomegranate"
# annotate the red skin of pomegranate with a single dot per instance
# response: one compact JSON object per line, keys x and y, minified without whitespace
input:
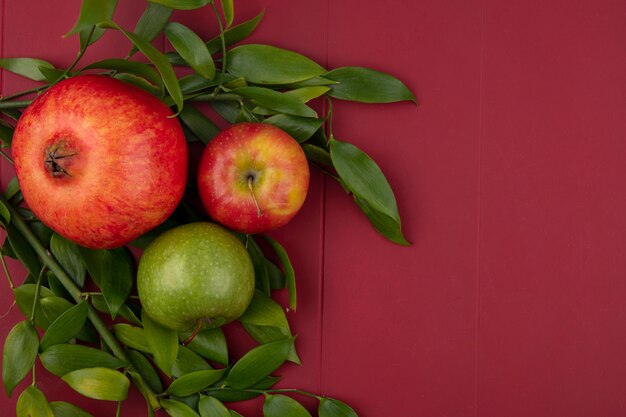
{"x":99,"y":161}
{"x":260,"y":156}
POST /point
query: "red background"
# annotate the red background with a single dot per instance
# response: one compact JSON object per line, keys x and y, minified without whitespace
{"x":510,"y":178}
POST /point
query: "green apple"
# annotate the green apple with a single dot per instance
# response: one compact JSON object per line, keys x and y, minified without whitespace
{"x":198,"y":274}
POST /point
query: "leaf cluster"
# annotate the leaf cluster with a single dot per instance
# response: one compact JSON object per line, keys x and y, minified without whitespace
{"x":69,"y":288}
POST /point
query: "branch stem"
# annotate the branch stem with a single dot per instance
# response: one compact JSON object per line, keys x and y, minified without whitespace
{"x":52,"y":264}
{"x":6,"y":270}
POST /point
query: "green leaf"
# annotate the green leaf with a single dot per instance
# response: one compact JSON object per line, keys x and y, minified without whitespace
{"x":152,"y":21}
{"x":300,"y":128}
{"x":143,"y":84}
{"x":117,"y":278}
{"x":18,"y":356}
{"x":93,"y":12}
{"x":131,"y":336}
{"x":264,"y":311}
{"x":90,"y":35}
{"x":367,"y":86}
{"x":267,"y":334}
{"x":318,"y":155}
{"x":199,"y":124}
{"x":233,"y":413}
{"x":305,"y":94}
{"x":188,"y":361}
{"x":330,"y":407}
{"x":212,"y":407}
{"x":64,"y":358}
{"x":67,"y":254}
{"x":13,"y":189}
{"x":32,"y":403}
{"x":265,"y":64}
{"x":132,"y":67}
{"x":177,"y":409}
{"x":384,"y":224}
{"x":193,"y":83}
{"x":5,"y":214}
{"x":163,"y":343}
{"x":314,"y":81}
{"x":362,"y":176}
{"x":283,"y":406}
{"x":66,"y":326}
{"x":290,"y":274}
{"x":233,"y":395}
{"x":145,"y":369}
{"x":49,"y":307}
{"x":191,"y":48}
{"x":26,"y":67}
{"x":23,"y":250}
{"x":210,"y":344}
{"x":277,"y":277}
{"x":51,"y":74}
{"x":99,"y":383}
{"x":229,"y":11}
{"x":63,"y":409}
{"x":273,"y":100}
{"x":258,"y":363}
{"x":235,"y":34}
{"x":194,"y":382}
{"x":182,"y":4}
{"x":159,"y":60}
{"x":227,"y":110}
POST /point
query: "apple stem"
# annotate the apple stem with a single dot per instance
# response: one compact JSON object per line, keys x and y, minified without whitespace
{"x":256,"y":203}
{"x":195,"y":332}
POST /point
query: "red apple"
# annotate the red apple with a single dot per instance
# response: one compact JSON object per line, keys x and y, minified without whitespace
{"x":100,"y":161}
{"x":253,"y":177}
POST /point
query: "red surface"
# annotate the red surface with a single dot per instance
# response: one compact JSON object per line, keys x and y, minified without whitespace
{"x":510,"y":182}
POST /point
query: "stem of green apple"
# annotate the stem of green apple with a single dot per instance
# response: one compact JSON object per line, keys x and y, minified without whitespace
{"x":52,"y":264}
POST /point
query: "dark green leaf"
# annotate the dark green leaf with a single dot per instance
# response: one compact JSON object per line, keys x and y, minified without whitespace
{"x":182,"y":4}
{"x":99,"y":383}
{"x":261,"y":275}
{"x":193,"y":83}
{"x":63,"y":409}
{"x":314,"y":81}
{"x":6,"y":135}
{"x":212,"y":407}
{"x":125,"y":311}
{"x":199,"y":124}
{"x":362,"y":176}
{"x":232,"y":395}
{"x":188,"y":361}
{"x":157,"y":58}
{"x":227,"y":110}
{"x":26,"y":67}
{"x":66,"y":326}
{"x":23,"y":250}
{"x":131,"y":336}
{"x":49,"y":307}
{"x":32,"y":403}
{"x":235,"y":34}
{"x":385,"y":225}
{"x":141,"y":83}
{"x":116,"y":280}
{"x":317,"y":155}
{"x":18,"y":356}
{"x":367,"y":86}
{"x":277,"y":277}
{"x":67,"y":254}
{"x":233,"y":413}
{"x":267,"y":334}
{"x":330,"y":407}
{"x":246,"y":116}
{"x":132,"y":67}
{"x":210,"y":344}
{"x":163,"y":343}
{"x":283,"y":406}
{"x":145,"y":369}
{"x":13,"y":189}
{"x":63,"y":358}
{"x":300,"y":128}
{"x":263,"y":311}
{"x":191,"y":48}
{"x":265,"y":64}
{"x":194,"y":382}
{"x":258,"y":363}
{"x":290,"y":274}
{"x":305,"y":94}
{"x":152,"y":21}
{"x":177,"y":408}
{"x":93,"y":12}
{"x":273,"y":100}
{"x":89,"y":36}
